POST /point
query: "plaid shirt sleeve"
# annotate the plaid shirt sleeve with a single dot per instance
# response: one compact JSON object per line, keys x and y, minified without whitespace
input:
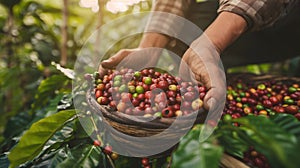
{"x":165,"y":18}
{"x":259,"y":14}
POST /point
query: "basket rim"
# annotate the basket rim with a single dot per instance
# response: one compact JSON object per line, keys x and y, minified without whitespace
{"x":151,"y":122}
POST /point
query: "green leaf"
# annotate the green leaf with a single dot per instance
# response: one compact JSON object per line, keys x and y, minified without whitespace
{"x":192,"y":153}
{"x":289,"y":123}
{"x":231,"y":143}
{"x":32,"y":142}
{"x":48,"y":88}
{"x":87,"y":156}
{"x":279,"y":146}
{"x":17,"y":124}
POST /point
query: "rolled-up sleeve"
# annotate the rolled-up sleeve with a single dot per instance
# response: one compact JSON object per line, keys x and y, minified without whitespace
{"x":165,"y":16}
{"x":259,"y":14}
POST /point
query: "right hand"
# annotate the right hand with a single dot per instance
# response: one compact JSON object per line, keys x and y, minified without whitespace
{"x":137,"y":59}
{"x":146,"y":55}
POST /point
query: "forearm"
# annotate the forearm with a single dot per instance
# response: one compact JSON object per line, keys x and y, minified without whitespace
{"x":225,"y":30}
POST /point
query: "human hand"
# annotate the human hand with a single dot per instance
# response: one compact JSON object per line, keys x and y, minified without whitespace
{"x":201,"y":64}
{"x":146,"y":55}
{"x":136,"y":59}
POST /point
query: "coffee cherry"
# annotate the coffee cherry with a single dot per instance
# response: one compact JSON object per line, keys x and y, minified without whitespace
{"x":279,"y":109}
{"x":107,"y":150}
{"x":118,"y":78}
{"x":247,"y":110}
{"x":197,"y":104}
{"x":227,"y":118}
{"x":145,"y":72}
{"x":148,"y":110}
{"x":172,"y":87}
{"x":147,"y":80}
{"x":176,"y":106}
{"x":145,"y":161}
{"x":189,"y":96}
{"x":101,"y":86}
{"x":263,"y":112}
{"x":297,"y":116}
{"x":267,"y":103}
{"x":114,"y":156}
{"x":139,"y":89}
{"x":102,"y":100}
{"x":178,"y":113}
{"x":88,"y":77}
{"x":292,"y":109}
{"x":141,"y":97}
{"x":97,"y":143}
{"x":121,"y":107}
{"x":131,"y":89}
{"x":137,"y":74}
{"x":289,"y":101}
{"x":167,"y":112}
{"x":158,"y":114}
{"x":292,"y":89}
{"x":186,"y":105}
{"x":163,"y":85}
{"x":98,"y":94}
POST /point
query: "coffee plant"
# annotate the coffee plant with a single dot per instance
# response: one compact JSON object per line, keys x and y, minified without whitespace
{"x":57,"y":139}
{"x":41,"y":128}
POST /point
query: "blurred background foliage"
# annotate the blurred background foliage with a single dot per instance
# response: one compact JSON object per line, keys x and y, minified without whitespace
{"x":37,"y":34}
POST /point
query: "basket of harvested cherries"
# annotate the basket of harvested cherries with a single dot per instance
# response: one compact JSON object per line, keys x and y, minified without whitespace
{"x":146,"y":102}
{"x":262,"y":95}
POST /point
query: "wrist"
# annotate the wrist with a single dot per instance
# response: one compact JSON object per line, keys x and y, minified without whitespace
{"x":154,"y":40}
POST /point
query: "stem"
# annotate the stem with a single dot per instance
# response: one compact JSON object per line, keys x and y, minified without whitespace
{"x":170,"y":162}
{"x":64,"y":31}
{"x":96,"y":130}
{"x":110,"y":161}
{"x":99,"y":138}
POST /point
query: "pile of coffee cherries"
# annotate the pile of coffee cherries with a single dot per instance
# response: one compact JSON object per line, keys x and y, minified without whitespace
{"x":149,"y":92}
{"x":267,"y":98}
{"x":255,"y":159}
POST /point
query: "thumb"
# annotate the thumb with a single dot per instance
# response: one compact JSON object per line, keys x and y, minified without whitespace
{"x":113,"y":61}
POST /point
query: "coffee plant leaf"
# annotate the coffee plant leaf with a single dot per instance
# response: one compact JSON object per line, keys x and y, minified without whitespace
{"x":232,"y":144}
{"x":47,"y":89}
{"x":278,"y":145}
{"x":84,"y":155}
{"x":192,"y":153}
{"x":289,"y":123}
{"x":16,"y":125}
{"x":33,"y":140}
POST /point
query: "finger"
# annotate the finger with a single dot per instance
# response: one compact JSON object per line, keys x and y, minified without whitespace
{"x":187,"y":69}
{"x":217,"y":91}
{"x":102,"y":71}
{"x":113,"y":61}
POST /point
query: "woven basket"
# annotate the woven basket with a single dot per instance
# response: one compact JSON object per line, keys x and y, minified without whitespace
{"x":253,"y":79}
{"x":140,"y":126}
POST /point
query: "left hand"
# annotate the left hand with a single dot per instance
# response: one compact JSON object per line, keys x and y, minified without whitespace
{"x":201,"y":63}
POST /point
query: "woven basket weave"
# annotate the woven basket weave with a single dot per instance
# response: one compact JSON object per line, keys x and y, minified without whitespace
{"x":140,"y":126}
